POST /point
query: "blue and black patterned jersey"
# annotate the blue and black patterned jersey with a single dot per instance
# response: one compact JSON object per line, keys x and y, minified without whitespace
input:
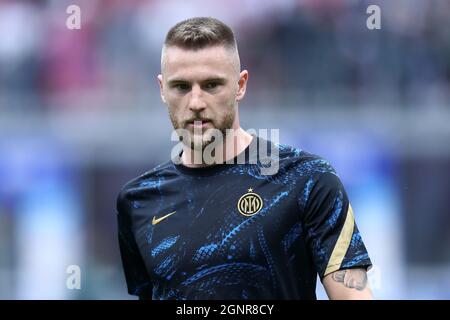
{"x":227,"y":231}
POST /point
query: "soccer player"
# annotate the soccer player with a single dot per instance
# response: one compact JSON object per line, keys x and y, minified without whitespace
{"x":196,"y":230}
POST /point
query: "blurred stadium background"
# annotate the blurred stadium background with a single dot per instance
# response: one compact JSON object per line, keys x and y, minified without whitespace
{"x":80,"y":114}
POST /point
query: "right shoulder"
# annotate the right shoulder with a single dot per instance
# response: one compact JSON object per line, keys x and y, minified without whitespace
{"x":150,"y":178}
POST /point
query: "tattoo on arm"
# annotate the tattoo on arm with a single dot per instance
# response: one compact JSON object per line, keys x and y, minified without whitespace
{"x":351,"y":278}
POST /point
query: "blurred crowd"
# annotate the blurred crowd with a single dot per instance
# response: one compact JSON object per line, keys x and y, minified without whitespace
{"x":308,"y":51}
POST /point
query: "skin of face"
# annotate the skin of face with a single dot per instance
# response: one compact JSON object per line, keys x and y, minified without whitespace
{"x":202,"y":85}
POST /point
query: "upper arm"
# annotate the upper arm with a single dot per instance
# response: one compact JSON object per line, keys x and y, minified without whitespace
{"x":332,"y":236}
{"x":136,"y":275}
{"x":347,"y":284}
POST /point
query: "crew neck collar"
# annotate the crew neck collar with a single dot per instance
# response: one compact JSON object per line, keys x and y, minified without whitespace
{"x":215,"y":168}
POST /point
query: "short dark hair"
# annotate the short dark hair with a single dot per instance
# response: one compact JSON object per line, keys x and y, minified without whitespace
{"x":200,"y":32}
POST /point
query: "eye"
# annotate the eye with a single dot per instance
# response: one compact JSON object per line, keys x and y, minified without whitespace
{"x":181,"y":87}
{"x":212,"y":85}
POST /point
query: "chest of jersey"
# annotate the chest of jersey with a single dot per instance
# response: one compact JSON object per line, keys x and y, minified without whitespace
{"x":219,"y":230}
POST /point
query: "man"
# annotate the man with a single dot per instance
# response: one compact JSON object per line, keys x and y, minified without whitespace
{"x":195,"y":230}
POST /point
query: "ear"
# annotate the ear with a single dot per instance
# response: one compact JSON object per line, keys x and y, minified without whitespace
{"x":161,"y":90}
{"x":243,"y":78}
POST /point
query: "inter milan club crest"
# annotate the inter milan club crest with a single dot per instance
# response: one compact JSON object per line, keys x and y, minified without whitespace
{"x":250,"y":203}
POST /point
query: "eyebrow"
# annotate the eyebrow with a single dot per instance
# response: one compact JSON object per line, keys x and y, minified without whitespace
{"x":214,"y":79}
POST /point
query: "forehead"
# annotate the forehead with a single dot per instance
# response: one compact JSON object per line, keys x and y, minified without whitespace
{"x":192,"y":64}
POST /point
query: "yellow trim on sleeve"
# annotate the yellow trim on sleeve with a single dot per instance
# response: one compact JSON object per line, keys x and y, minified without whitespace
{"x":342,"y":244}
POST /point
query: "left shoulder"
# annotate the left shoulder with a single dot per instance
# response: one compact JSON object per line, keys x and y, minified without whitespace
{"x":304,"y":162}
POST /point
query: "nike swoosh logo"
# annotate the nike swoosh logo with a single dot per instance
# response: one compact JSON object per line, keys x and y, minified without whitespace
{"x":156,"y":221}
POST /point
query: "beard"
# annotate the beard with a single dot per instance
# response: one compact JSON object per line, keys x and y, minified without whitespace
{"x":199,"y":139}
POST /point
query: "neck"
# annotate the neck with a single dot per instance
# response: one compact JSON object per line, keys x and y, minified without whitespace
{"x":233,"y":145}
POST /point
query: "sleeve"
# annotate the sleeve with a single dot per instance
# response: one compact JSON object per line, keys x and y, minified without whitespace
{"x":136,"y":276}
{"x":331,"y":232}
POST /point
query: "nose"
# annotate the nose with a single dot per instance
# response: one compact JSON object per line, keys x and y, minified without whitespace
{"x":196,"y":103}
